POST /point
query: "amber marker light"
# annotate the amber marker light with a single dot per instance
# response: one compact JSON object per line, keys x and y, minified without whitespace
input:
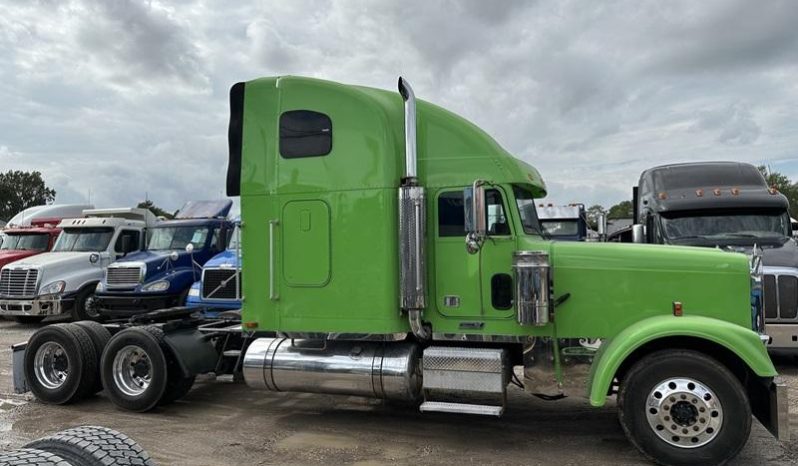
{"x":735,"y":191}
{"x":716,"y":191}
{"x":699,"y":192}
{"x":663,"y":196}
{"x":250,"y":325}
{"x":677,"y":308}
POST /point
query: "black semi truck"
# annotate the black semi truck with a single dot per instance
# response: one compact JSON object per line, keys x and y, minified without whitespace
{"x":726,"y":205}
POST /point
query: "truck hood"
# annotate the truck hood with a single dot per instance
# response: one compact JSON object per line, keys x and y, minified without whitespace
{"x":644,"y":280}
{"x":158,"y":262}
{"x":9,"y":256}
{"x":226,"y":258}
{"x":55,"y":260}
{"x":782,"y":253}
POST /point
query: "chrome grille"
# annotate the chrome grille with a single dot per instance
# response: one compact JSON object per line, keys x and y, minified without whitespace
{"x":221,"y":284}
{"x":20,"y":283}
{"x":781,"y":297}
{"x":123,"y":276}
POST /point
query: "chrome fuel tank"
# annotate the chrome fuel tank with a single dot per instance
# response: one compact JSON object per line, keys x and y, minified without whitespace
{"x":383,"y":370}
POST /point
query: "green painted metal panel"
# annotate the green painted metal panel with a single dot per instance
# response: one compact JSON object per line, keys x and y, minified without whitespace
{"x":306,"y":243}
{"x":741,"y":341}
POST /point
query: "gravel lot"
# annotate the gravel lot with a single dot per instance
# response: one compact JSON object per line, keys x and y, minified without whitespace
{"x":221,"y":423}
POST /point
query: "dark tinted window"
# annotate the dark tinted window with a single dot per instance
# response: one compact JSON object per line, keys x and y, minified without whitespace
{"x":451,"y":214}
{"x":304,"y":133}
{"x":708,"y":176}
{"x":135,"y":240}
{"x":501,"y":291}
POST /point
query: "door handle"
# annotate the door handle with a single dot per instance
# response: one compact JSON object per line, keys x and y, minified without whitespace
{"x":272,"y":291}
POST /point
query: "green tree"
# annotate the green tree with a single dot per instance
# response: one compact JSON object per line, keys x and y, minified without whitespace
{"x":622,"y":209}
{"x":592,"y":213}
{"x":148,"y":204}
{"x":784,"y":185}
{"x":20,"y":190}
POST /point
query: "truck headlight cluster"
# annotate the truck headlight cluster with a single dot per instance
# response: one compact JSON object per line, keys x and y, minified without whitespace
{"x":194,"y":292}
{"x":160,"y":285}
{"x":53,"y":288}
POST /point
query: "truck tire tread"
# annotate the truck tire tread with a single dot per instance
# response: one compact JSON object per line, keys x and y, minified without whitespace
{"x":31,"y":457}
{"x":94,"y":446}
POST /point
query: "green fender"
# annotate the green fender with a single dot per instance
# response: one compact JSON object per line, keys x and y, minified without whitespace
{"x":741,"y":341}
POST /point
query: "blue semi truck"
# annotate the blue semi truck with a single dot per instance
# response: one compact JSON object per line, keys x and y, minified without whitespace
{"x":161,"y":276}
{"x":219,"y":288}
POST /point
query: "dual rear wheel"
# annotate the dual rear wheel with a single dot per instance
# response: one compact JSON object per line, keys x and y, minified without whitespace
{"x":67,"y":362}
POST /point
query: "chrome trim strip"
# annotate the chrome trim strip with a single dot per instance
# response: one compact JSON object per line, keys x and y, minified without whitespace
{"x":272,"y":293}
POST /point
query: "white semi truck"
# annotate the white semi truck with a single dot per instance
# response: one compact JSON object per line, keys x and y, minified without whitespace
{"x":63,"y":281}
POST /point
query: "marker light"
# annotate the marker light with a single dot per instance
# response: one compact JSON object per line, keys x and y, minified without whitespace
{"x":716,"y":191}
{"x":699,"y":192}
{"x":677,"y":308}
{"x":735,"y":191}
{"x":663,"y":196}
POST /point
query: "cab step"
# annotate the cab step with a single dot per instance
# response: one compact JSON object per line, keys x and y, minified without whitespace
{"x":461,"y":408}
{"x":465,"y":380}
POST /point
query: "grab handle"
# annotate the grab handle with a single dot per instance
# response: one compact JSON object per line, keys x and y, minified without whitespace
{"x":272,"y":292}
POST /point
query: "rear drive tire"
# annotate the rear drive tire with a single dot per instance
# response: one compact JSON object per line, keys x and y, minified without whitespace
{"x":31,"y":457}
{"x":60,"y":364}
{"x":99,"y":338}
{"x":29,"y":320}
{"x":681,"y":407}
{"x":94,"y":446}
{"x":177,"y":385}
{"x":133,"y":370}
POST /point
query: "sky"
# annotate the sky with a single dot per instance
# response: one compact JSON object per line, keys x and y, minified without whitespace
{"x":118,"y":100}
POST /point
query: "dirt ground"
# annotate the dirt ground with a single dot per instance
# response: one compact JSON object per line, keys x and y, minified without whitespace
{"x":221,"y":423}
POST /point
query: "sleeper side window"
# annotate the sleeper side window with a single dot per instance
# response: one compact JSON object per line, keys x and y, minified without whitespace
{"x":305,"y":133}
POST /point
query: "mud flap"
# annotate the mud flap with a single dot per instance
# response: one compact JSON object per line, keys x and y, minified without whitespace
{"x":770,"y":405}
{"x":193,"y":352}
{"x":18,"y":367}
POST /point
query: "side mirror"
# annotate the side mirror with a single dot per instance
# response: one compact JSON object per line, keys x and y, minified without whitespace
{"x":601,"y":226}
{"x":638,"y":233}
{"x":190,"y":248}
{"x":475,"y":221}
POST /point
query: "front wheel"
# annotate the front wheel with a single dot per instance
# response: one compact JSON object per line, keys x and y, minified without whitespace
{"x":681,"y":407}
{"x":85,"y":307}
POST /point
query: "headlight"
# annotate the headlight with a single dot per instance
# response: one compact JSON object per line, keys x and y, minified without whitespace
{"x":757,"y":291}
{"x":194,"y":292}
{"x":161,"y":285}
{"x":53,"y":288}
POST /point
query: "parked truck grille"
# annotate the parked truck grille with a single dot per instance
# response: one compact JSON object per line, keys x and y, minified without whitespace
{"x":781,"y":297}
{"x":221,"y":284}
{"x":19,"y":283}
{"x":123,"y":276}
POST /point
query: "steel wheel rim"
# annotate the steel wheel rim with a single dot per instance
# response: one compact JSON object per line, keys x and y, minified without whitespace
{"x":684,"y":413}
{"x":90,"y":307}
{"x":51,"y":365}
{"x":132,"y":370}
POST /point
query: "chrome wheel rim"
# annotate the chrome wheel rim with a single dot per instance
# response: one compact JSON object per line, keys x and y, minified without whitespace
{"x":132,"y":370}
{"x":51,"y":365}
{"x":684,"y":413}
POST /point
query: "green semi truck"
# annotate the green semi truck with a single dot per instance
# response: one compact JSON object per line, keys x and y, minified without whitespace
{"x":390,"y":254}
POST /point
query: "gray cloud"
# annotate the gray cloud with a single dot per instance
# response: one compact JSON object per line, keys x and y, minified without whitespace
{"x":129,"y":97}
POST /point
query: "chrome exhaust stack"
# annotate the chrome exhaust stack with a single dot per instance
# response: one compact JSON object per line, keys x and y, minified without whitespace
{"x":412,"y":225}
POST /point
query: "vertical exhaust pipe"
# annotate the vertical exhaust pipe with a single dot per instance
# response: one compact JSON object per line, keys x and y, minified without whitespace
{"x":412,"y":226}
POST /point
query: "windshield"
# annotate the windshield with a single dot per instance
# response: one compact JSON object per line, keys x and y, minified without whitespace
{"x":84,"y":239}
{"x":177,"y":238}
{"x":561,"y":227}
{"x":527,"y":211}
{"x":25,"y":242}
{"x":235,"y":240}
{"x":727,"y":226}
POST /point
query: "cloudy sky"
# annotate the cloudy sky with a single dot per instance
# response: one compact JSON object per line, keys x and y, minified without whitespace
{"x":128,"y":98}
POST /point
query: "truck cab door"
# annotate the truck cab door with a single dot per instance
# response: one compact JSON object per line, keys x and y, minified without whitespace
{"x":472,"y":285}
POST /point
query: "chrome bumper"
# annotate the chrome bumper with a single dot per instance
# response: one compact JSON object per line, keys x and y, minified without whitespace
{"x":770,"y":405}
{"x":782,"y":336}
{"x":31,"y":307}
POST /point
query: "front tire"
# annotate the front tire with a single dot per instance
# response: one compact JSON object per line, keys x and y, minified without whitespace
{"x":681,"y":407}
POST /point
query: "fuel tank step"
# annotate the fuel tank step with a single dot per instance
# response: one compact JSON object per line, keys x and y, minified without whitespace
{"x":465,"y":380}
{"x":461,"y":408}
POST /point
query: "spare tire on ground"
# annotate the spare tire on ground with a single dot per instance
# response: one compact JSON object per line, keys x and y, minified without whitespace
{"x":31,"y":457}
{"x":94,"y":446}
